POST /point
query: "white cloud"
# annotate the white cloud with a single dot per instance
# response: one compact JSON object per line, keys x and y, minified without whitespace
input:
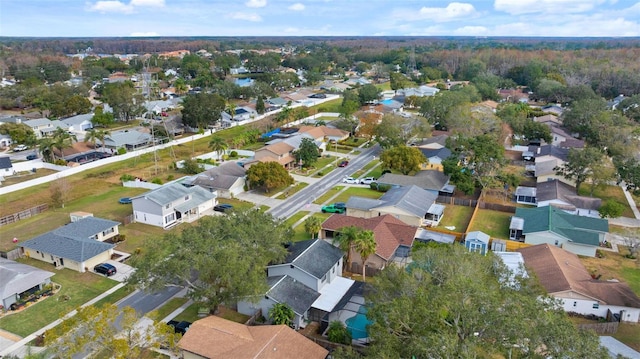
{"x":110,"y":6}
{"x":519,"y":7}
{"x":256,"y":3}
{"x":297,"y":7}
{"x":148,"y":3}
{"x":471,"y":31}
{"x":245,"y":16}
{"x":453,"y":11}
{"x":144,"y":34}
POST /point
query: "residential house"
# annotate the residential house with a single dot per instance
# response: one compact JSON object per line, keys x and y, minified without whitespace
{"x":426,"y":235}
{"x":5,"y":141}
{"x":276,"y":102}
{"x":17,"y":279}
{"x":227,"y":179}
{"x":411,"y":204}
{"x":559,"y":194}
{"x":40,"y":126}
{"x":436,"y":156}
{"x":280,"y":152}
{"x":127,"y":139}
{"x":421,"y":91}
{"x":245,"y":82}
{"x":430,"y":180}
{"x":216,"y":337}
{"x":79,"y":122}
{"x":564,"y":277}
{"x":309,"y":281}
{"x":242,"y":113}
{"x":77,"y":246}
{"x":333,"y":86}
{"x":172,"y":204}
{"x":477,"y":241}
{"x":324,"y":133}
{"x":158,"y":106}
{"x":393,"y":237}
{"x":577,"y":234}
{"x":357,"y":81}
{"x":6,"y":167}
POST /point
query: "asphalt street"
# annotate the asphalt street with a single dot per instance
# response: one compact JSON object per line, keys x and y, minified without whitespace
{"x":308,"y":194}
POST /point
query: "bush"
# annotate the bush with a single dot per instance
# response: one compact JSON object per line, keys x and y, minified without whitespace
{"x":233,"y":154}
{"x":338,"y":333}
{"x":156,"y":180}
{"x":320,"y":174}
{"x":170,"y":178}
{"x":122,"y":151}
{"x":60,"y":162}
{"x":380,"y":187}
{"x":126,"y":177}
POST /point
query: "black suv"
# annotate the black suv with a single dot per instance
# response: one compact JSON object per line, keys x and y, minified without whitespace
{"x":105,"y":268}
{"x":179,"y":327}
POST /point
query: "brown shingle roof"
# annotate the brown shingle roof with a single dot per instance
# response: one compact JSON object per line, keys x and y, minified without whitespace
{"x":279,"y":148}
{"x":319,"y":132}
{"x":389,"y":232}
{"x":561,"y":271}
{"x":215,"y":337}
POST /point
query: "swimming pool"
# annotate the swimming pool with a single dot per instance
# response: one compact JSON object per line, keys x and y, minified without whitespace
{"x":357,"y":324}
{"x":386,"y":102}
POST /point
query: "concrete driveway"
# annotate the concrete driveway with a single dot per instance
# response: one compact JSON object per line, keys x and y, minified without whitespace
{"x":122,"y":271}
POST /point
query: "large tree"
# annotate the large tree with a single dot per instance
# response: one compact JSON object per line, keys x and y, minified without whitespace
{"x":365,"y":245}
{"x":404,"y":159}
{"x":368,"y":93}
{"x":62,"y":139}
{"x":123,"y":99}
{"x":202,"y":109}
{"x":96,"y":134}
{"x":392,"y":131}
{"x":219,"y":260}
{"x":19,"y":133}
{"x":218,"y":145}
{"x":461,"y":308}
{"x":580,"y":165}
{"x":307,"y":153}
{"x":312,"y":225}
{"x":110,"y":331}
{"x":482,"y":156}
{"x":268,"y":175}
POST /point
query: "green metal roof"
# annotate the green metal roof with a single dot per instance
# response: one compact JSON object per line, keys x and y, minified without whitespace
{"x":579,"y":229}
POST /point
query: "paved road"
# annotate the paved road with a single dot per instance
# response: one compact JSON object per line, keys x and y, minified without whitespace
{"x":308,"y":194}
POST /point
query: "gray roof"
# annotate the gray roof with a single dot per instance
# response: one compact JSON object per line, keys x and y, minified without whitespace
{"x":427,"y":235}
{"x":72,"y":243}
{"x":298,"y":296}
{"x":227,"y":168}
{"x":363,"y":203}
{"x":437,"y":152}
{"x":551,"y":190}
{"x":616,"y":347}
{"x":198,"y":196}
{"x":314,"y":256}
{"x":118,"y":139}
{"x":550,"y":150}
{"x":526,"y":191}
{"x":412,"y":199}
{"x":277,"y":101}
{"x":440,"y":140}
{"x":78,"y":119}
{"x":430,"y":179}
{"x":173,"y":191}
{"x":5,"y":162}
{"x":37,"y":122}
{"x":17,"y":277}
{"x":223,"y":182}
{"x":85,"y":227}
{"x":546,"y":167}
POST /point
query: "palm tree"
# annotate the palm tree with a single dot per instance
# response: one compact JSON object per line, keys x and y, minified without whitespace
{"x":218,"y":145}
{"x":45,"y":146}
{"x":62,"y":139}
{"x":312,"y":225}
{"x":365,"y":244}
{"x":345,"y":240}
{"x":94,"y":135}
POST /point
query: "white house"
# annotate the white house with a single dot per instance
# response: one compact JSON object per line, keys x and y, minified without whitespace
{"x":79,"y":122}
{"x":565,"y":278}
{"x":309,"y":281}
{"x":172,"y":204}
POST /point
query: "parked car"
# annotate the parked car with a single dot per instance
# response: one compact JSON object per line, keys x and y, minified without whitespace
{"x":106,"y":269}
{"x":349,"y":180}
{"x":32,"y":156}
{"x":340,"y":205}
{"x":332,"y":209}
{"x":19,"y":148}
{"x":179,"y":327}
{"x":343,"y":164}
{"x":125,"y":200}
{"x":367,"y":180}
{"x":223,"y":207}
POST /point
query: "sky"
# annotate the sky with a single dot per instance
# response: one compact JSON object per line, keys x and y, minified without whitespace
{"x":123,"y":18}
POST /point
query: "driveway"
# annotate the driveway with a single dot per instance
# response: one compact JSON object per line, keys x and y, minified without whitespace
{"x":122,"y":271}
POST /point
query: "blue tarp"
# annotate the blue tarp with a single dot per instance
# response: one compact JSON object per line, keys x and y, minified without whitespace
{"x":271,"y":133}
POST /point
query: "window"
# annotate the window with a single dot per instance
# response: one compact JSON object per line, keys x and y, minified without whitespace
{"x":186,"y":198}
{"x":596,"y":305}
{"x":333,"y":270}
{"x":108,"y":231}
{"x":575,"y":304}
{"x":324,"y":278}
{"x":169,"y":218}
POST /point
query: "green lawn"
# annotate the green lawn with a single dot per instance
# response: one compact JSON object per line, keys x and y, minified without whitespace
{"x":629,"y":334}
{"x":299,"y":234}
{"x":456,"y":216}
{"x":608,"y":193}
{"x":330,"y":106}
{"x":79,"y":287}
{"x":167,"y":308}
{"x":115,"y":296}
{"x":493,"y":223}
{"x":631,"y":275}
{"x":358,"y":191}
{"x":330,"y":193}
{"x":295,"y":218}
{"x":292,"y":190}
{"x":190,"y":314}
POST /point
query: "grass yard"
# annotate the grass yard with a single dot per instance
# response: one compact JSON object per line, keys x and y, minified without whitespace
{"x":493,"y":223}
{"x":292,"y":190}
{"x":79,"y":287}
{"x":299,"y":234}
{"x":136,"y":234}
{"x":616,"y":266}
{"x":608,"y":193}
{"x":190,"y":314}
{"x":330,"y":106}
{"x":26,"y":176}
{"x":456,"y":216}
{"x":365,"y":192}
{"x":295,"y":218}
{"x":167,"y":308}
{"x":330,"y":193}
{"x":629,"y":334}
{"x":116,"y":296}
{"x":236,"y":203}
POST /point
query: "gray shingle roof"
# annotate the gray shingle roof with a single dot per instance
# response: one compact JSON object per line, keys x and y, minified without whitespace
{"x":117,"y":139}
{"x":37,"y":122}
{"x":78,"y":119}
{"x":85,"y":227}
{"x":440,"y":152}
{"x":430,"y":180}
{"x":298,"y":296}
{"x":5,"y":162}
{"x":550,"y":190}
{"x":76,"y":249}
{"x":412,"y":199}
{"x":314,"y":256}
{"x":18,"y":277}
{"x":173,"y":191}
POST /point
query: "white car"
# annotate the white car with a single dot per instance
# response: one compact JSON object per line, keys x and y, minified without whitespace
{"x":367,"y":180}
{"x":350,"y":180}
{"x":19,"y":148}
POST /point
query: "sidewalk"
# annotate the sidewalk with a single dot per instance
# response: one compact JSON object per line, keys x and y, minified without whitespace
{"x":632,"y":203}
{"x":20,"y":347}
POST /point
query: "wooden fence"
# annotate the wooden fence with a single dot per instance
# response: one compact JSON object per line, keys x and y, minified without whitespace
{"x":457,"y":201}
{"x":497,"y":207}
{"x":12,"y":254}
{"x":356,"y":268}
{"x":601,"y":328}
{"x":12,"y":218}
